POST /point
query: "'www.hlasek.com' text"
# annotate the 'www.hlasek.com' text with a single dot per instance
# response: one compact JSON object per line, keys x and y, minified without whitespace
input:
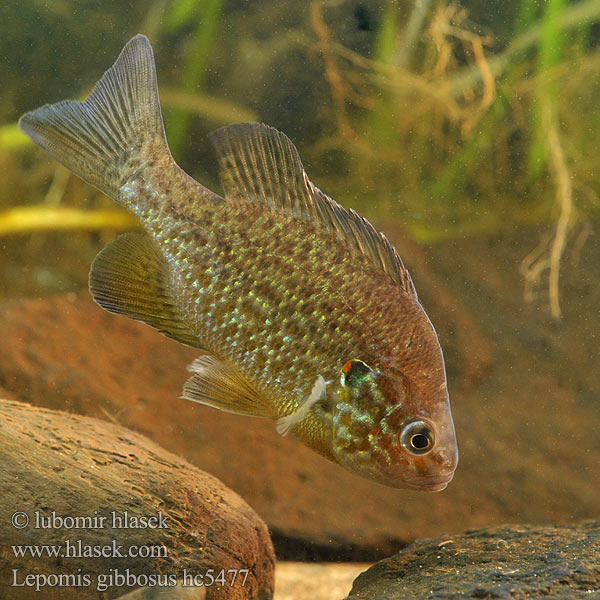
{"x":110,"y":549}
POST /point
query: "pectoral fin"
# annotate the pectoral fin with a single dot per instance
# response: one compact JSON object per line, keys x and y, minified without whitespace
{"x":218,"y":384}
{"x":284,"y":424}
{"x":130,"y":277}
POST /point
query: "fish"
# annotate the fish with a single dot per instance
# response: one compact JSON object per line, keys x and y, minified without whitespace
{"x":304,"y":313}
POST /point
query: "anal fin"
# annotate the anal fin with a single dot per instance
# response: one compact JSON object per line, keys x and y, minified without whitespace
{"x":218,"y":384}
{"x":130,"y":277}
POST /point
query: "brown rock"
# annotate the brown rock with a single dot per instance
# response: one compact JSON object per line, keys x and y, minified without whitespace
{"x":518,"y":562}
{"x":57,"y":467}
{"x":529,"y":449}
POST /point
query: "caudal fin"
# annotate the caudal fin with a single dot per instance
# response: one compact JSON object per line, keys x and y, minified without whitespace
{"x":119,"y":121}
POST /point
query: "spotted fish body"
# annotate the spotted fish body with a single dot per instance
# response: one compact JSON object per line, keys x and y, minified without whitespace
{"x":306,"y":313}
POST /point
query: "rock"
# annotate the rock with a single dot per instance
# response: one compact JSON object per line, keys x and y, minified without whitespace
{"x":178,"y":592}
{"x":529,"y":449}
{"x":128,"y":494}
{"x":511,"y":562}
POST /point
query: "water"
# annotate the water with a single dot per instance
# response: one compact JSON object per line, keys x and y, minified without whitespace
{"x":467,"y":134}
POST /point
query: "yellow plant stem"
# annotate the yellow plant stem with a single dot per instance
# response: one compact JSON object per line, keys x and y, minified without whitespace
{"x":42,"y":218}
{"x":564,"y":199}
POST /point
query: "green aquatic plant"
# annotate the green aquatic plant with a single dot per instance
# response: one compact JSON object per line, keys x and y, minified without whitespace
{"x":449,"y":122}
{"x":205,"y":16}
{"x":419,"y":115}
{"x":550,"y":51}
{"x":381,"y":118}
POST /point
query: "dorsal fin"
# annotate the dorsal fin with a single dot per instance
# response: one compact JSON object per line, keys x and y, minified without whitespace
{"x":130,"y":277}
{"x":257,"y":163}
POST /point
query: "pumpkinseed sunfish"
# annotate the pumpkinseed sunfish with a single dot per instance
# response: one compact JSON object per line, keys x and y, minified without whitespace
{"x":305,"y":312}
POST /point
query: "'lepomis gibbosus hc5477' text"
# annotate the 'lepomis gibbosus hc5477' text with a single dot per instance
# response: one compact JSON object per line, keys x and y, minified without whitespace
{"x":305,"y":312}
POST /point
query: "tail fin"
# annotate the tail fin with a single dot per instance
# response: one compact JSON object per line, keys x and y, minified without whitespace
{"x":120,"y":118}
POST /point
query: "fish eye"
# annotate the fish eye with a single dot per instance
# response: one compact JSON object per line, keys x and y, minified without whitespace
{"x":417,"y":437}
{"x":355,"y":372}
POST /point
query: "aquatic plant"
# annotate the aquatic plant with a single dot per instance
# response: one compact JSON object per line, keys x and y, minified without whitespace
{"x":408,"y":111}
{"x":450,"y":123}
{"x":204,"y":15}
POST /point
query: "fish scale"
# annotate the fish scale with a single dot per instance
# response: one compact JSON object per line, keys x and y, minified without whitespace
{"x":263,"y":290}
{"x":305,"y":312}
{"x":243,"y":337}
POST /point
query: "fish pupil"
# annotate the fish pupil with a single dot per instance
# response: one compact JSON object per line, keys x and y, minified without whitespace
{"x":420,"y":441}
{"x":417,"y":437}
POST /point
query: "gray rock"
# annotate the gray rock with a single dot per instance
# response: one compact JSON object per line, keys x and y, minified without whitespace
{"x":511,"y":562}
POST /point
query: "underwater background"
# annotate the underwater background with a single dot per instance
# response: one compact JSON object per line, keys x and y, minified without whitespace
{"x":468,"y":133}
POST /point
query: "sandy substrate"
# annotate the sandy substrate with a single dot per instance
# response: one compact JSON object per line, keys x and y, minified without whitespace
{"x":315,"y":581}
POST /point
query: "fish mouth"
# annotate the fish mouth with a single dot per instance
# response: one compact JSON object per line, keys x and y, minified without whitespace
{"x":434,"y":483}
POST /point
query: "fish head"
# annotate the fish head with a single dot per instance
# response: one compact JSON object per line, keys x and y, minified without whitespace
{"x":414,"y":443}
{"x":393,"y":425}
